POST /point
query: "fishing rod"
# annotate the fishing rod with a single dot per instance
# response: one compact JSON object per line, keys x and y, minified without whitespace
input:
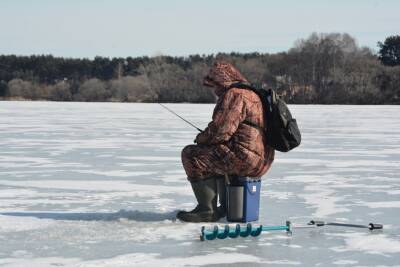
{"x":173,"y":112}
{"x":250,"y":230}
{"x":188,"y":122}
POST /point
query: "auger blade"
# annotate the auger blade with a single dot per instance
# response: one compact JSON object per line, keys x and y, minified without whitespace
{"x":257,"y":231}
{"x":249,"y":230}
{"x":236,"y":232}
{"x":224,"y":234}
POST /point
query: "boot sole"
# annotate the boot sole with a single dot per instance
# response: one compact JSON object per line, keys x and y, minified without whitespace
{"x":197,"y":219}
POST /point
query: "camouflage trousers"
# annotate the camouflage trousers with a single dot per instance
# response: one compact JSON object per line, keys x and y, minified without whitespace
{"x":203,"y":161}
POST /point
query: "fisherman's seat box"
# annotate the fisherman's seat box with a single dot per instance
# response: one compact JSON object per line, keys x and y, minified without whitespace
{"x":243,"y":199}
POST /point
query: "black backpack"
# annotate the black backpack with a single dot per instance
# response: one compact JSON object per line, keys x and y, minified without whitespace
{"x":281,"y":128}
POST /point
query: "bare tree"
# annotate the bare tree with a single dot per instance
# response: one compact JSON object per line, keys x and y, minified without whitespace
{"x":131,"y":89}
{"x":92,"y":90}
{"x":61,"y":91}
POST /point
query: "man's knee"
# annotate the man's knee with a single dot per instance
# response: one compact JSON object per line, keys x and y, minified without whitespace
{"x":187,"y":152}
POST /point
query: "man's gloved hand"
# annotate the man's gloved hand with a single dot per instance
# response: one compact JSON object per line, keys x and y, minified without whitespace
{"x":198,"y":139}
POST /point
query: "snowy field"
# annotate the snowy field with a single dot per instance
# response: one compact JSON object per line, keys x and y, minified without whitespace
{"x":98,"y":184}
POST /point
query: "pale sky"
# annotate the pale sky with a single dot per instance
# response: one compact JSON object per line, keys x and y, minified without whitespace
{"x":120,"y":28}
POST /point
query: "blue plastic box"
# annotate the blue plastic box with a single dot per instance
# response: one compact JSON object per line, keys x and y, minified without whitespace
{"x":243,"y":199}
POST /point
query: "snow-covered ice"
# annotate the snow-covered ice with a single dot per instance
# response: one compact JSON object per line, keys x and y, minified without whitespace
{"x":99,"y":184}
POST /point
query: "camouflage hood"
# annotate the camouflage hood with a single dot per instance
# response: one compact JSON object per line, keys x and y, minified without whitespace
{"x":221,"y":76}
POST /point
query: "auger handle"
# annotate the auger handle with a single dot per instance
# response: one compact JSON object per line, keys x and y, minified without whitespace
{"x":373,"y":226}
{"x":316,"y":223}
{"x":370,"y":226}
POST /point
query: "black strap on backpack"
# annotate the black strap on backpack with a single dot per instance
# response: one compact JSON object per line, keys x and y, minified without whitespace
{"x":281,"y":130}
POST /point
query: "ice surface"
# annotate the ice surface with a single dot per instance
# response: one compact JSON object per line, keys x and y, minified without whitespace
{"x":373,"y":244}
{"x":145,"y":260}
{"x":99,"y":184}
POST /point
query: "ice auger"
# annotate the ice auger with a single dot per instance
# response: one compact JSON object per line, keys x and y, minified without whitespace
{"x":228,"y":231}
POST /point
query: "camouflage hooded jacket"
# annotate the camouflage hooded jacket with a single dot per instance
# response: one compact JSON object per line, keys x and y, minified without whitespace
{"x":242,"y":143}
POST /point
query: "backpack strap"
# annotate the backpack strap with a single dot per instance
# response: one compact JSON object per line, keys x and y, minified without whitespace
{"x":242,"y":85}
{"x":253,"y":125}
{"x":248,"y":86}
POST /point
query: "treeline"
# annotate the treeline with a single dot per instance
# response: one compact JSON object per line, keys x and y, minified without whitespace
{"x":321,"y":69}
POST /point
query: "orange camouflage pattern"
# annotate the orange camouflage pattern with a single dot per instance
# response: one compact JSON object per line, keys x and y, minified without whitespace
{"x":228,"y":145}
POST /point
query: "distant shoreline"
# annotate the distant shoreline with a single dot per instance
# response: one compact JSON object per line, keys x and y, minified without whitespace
{"x":19,"y":99}
{"x":325,"y":68}
{"x":196,"y":103}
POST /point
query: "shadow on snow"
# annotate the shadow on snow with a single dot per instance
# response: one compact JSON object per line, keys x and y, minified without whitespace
{"x":135,"y":215}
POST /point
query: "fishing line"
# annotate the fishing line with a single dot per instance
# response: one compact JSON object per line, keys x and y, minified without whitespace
{"x":191,"y":124}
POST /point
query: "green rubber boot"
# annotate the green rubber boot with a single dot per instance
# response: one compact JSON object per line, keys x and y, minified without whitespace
{"x":205,"y":192}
